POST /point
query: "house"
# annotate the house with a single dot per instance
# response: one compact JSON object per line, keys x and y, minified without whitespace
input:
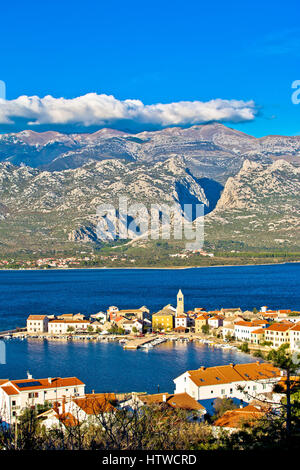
{"x":243,"y":329}
{"x":139,"y":313}
{"x":181,"y":320}
{"x":181,"y":401}
{"x":227,"y":312}
{"x":37,"y":324}
{"x":233,"y":420}
{"x":257,"y":336}
{"x":132,"y":326}
{"x":199,"y":322}
{"x":15,"y":395}
{"x":96,"y":325}
{"x":225,"y":381}
{"x":65,"y":326}
{"x":100,"y":316}
{"x":294,"y":333}
{"x":228,"y":330}
{"x":77,"y":411}
{"x":163,"y":320}
{"x":215,"y":321}
{"x":278,"y":334}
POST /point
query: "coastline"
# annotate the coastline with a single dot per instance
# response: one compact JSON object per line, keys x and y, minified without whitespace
{"x":150,"y":267}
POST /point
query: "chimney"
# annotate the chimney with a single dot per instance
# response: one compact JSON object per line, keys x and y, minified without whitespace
{"x":93,"y":391}
{"x":29,"y":376}
{"x":231,"y":365}
{"x":164,"y":398}
{"x":49,"y":380}
{"x":202,"y":368}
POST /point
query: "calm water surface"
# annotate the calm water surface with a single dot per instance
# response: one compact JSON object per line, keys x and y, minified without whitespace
{"x":107,"y":367}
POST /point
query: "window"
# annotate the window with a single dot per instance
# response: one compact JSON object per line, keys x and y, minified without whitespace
{"x":13,"y":403}
{"x":223,"y":391}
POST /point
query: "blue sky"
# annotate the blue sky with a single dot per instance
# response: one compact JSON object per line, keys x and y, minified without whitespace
{"x":155,"y":52}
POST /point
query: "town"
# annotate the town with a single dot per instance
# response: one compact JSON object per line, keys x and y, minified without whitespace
{"x":258,"y":331}
{"x":249,"y":385}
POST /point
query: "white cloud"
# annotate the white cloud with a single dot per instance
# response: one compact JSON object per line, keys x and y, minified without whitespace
{"x":103,"y":110}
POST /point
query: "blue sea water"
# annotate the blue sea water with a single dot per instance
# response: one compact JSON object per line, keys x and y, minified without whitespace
{"x":107,"y":367}
{"x":90,"y":290}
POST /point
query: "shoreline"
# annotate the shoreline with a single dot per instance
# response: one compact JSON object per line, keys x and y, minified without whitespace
{"x":150,"y":267}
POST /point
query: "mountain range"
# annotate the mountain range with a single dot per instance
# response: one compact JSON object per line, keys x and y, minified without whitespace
{"x":211,"y":151}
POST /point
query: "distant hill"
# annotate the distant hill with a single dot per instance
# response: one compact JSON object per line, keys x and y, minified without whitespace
{"x":211,"y":151}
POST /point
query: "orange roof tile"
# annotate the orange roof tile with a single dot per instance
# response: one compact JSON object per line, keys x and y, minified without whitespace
{"x":94,"y":404}
{"x":233,"y":373}
{"x":37,"y":317}
{"x":178,"y":400}
{"x":10,"y":390}
{"x":236,"y":418}
{"x":279,"y":327}
{"x":56,"y":382}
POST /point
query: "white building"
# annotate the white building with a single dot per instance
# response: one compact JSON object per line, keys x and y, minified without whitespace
{"x":64,"y":326}
{"x":100,"y":316}
{"x":243,"y":329}
{"x":181,"y":320}
{"x":295,"y":338}
{"x":37,"y":324}
{"x":224,"y":381}
{"x":215,"y":322}
{"x":15,"y":395}
{"x":83,"y":410}
{"x":129,"y":325}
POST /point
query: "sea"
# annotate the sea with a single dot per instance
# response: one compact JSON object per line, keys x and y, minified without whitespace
{"x":107,"y":366}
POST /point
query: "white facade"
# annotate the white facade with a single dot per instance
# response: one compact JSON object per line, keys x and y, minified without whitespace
{"x":242,"y":331}
{"x":215,"y":322}
{"x":62,"y":326}
{"x":295,"y":338}
{"x":16,"y":395}
{"x":181,"y":320}
{"x":37,"y":324}
{"x":204,"y":386}
{"x":130,"y":324}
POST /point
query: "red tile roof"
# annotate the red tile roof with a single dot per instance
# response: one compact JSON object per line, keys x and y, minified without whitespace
{"x":56,"y":382}
{"x":233,"y":373}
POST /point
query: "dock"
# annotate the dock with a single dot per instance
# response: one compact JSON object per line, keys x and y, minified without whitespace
{"x":138,"y":342}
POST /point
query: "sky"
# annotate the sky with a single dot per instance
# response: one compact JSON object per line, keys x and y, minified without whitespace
{"x":80,"y":66}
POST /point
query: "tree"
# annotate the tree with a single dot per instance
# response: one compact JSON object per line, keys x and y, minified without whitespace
{"x":70,"y":329}
{"x":283,"y":359}
{"x":205,"y":329}
{"x":255,"y":310}
{"x":245,"y":347}
{"x":135,"y":330}
{"x":221,"y":405}
{"x":90,"y":329}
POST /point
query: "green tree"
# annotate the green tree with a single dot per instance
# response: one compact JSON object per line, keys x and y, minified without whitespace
{"x":205,"y":329}
{"x":283,"y":359}
{"x":245,"y":347}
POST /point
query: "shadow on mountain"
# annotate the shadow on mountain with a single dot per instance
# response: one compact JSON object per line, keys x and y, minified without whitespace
{"x":212,"y":190}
